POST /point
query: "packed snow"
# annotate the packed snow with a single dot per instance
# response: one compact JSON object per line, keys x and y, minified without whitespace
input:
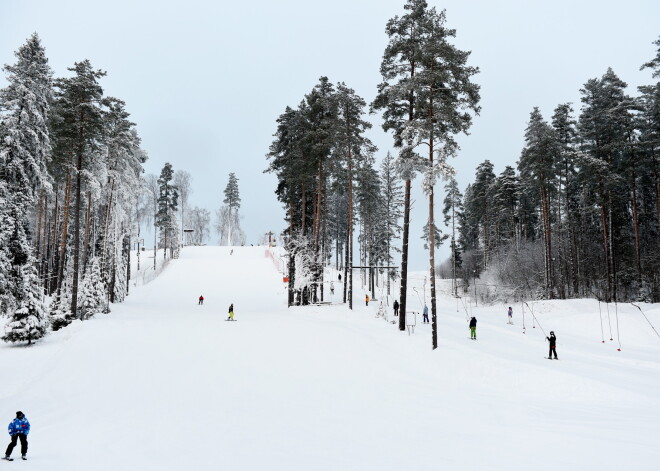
{"x":164,"y":383}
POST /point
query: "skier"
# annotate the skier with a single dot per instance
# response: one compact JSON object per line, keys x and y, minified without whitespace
{"x":425,"y":313}
{"x":396,"y":307}
{"x":201,"y":300}
{"x":473,"y":328}
{"x":553,"y":344}
{"x":18,"y":429}
{"x":510,"y":315}
{"x":366,"y":298}
{"x":339,"y":277}
{"x":332,"y":288}
{"x":231,"y":312}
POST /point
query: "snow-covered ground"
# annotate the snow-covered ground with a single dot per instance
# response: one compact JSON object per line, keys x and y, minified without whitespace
{"x":164,"y":384}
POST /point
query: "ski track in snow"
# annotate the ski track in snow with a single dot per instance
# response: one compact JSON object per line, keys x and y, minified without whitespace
{"x":162,"y":383}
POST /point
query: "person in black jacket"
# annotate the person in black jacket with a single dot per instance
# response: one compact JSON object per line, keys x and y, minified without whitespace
{"x":553,"y":344}
{"x":473,"y":328}
{"x":396,"y":307}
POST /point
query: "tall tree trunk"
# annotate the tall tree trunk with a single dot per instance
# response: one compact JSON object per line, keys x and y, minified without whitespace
{"x":292,"y":260}
{"x":65,"y":231}
{"x":76,"y":232}
{"x":40,"y":211}
{"x":87,"y":230}
{"x":404,"y":257}
{"x":636,"y":225}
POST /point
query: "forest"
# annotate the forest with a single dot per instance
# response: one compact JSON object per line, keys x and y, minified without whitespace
{"x":578,"y":215}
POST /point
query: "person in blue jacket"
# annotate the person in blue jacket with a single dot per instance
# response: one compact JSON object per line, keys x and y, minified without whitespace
{"x":19,"y":428}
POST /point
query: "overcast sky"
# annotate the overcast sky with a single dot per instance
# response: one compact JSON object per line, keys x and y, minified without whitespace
{"x":206,"y":80}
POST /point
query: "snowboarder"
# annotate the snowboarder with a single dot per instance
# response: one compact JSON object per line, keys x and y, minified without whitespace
{"x":231,"y":312}
{"x":201,"y":300}
{"x":473,"y":328}
{"x":510,"y":315}
{"x":366,"y":298}
{"x":19,"y":428}
{"x":425,"y":313}
{"x":396,"y":307}
{"x":332,"y":288}
{"x":553,"y":344}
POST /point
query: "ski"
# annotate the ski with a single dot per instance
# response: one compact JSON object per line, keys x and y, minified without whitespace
{"x":6,"y":458}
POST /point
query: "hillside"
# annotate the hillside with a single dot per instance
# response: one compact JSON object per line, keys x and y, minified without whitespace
{"x":162,"y":383}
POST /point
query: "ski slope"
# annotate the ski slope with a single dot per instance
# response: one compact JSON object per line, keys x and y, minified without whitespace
{"x":164,"y":384}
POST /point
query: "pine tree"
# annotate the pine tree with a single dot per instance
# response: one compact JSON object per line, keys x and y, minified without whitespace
{"x":92,"y":292}
{"x":352,"y":150}
{"x":80,"y":100}
{"x":452,"y":211}
{"x":400,"y":104}
{"x":392,"y":201}
{"x":25,"y":151}
{"x":166,"y":216}
{"x":29,"y":322}
{"x":229,"y":221}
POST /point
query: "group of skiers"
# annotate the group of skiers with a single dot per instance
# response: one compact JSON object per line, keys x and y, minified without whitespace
{"x":200,"y":302}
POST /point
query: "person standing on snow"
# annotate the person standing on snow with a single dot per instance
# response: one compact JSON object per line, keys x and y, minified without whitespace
{"x":510,"y":315}
{"x":553,"y":346}
{"x":366,"y":298}
{"x":425,"y":313}
{"x":231,"y":312}
{"x":473,"y":328}
{"x":396,"y":307}
{"x":332,"y":288}
{"x":19,"y":428}
{"x":201,"y":300}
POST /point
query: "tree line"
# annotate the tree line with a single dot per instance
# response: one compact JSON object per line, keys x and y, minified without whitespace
{"x":73,"y":197}
{"x":581,"y":215}
{"x":325,"y":164}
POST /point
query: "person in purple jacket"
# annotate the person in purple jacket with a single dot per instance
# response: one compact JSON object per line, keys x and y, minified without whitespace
{"x":19,"y":428}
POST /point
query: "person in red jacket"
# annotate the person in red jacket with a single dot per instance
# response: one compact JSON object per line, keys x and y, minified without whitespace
{"x":201,"y":300}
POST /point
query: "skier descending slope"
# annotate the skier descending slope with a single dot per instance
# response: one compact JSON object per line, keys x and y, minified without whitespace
{"x":510,"y":315}
{"x":553,"y":344}
{"x":231,"y":312}
{"x":19,"y":428}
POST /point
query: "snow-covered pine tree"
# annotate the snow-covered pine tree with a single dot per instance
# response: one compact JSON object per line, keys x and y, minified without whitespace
{"x":29,"y":322}
{"x":93,"y":295}
{"x":400,"y":105}
{"x":166,"y":216}
{"x":79,"y":104}
{"x":24,"y":154}
{"x":228,"y":218}
{"x":352,"y":150}
{"x":452,"y":211}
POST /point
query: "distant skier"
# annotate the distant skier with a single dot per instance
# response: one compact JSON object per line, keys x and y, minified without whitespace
{"x":553,"y":346}
{"x":473,"y":328}
{"x":231,"y":312}
{"x":425,"y":314}
{"x":332,"y":288}
{"x":232,"y":252}
{"x":510,"y":315}
{"x":396,"y":307}
{"x":201,"y":300}
{"x":339,"y":277}
{"x":366,"y":299}
{"x":19,"y":428}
